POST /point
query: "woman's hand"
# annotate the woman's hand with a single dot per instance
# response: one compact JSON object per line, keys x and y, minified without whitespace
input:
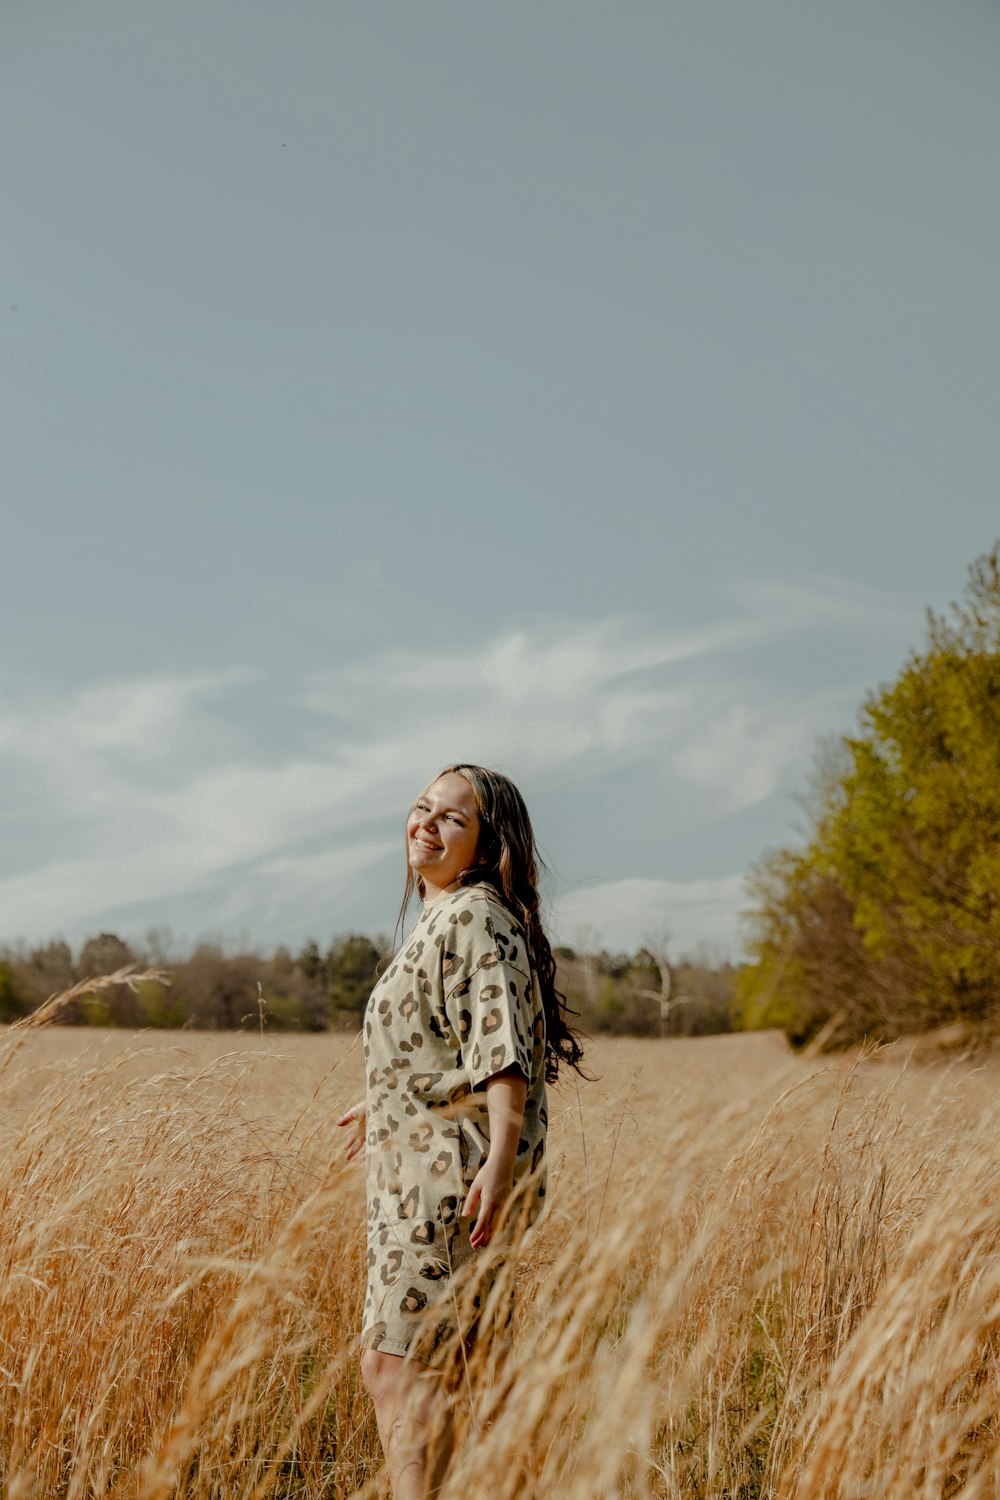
{"x":491,"y":1187}
{"x":494,"y":1182}
{"x":356,"y":1120}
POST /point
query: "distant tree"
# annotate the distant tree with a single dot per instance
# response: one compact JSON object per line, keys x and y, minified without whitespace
{"x":159,"y":948}
{"x":627,"y":998}
{"x":654,"y":959}
{"x":282,"y":962}
{"x":220,"y":992}
{"x":310,"y":962}
{"x":13,"y":1001}
{"x":53,"y":964}
{"x":106,"y":954}
{"x":709,"y":993}
{"x":291,"y":1001}
{"x":351,"y":965}
{"x":612,"y":965}
{"x":48,"y":970}
{"x":160,"y":1006}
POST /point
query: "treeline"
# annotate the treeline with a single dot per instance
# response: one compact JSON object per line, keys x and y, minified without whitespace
{"x":320,"y":989}
{"x":647,"y":995}
{"x":209,"y":989}
{"x":887,"y":922}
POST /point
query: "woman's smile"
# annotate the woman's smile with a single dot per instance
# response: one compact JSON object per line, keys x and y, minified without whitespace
{"x":442,"y":833}
{"x":425,"y":843}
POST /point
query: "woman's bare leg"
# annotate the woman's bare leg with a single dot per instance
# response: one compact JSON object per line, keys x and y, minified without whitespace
{"x":406,"y":1398}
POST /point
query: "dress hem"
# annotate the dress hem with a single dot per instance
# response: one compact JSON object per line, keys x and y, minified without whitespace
{"x":391,"y":1346}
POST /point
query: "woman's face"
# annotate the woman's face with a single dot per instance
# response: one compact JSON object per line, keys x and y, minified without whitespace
{"x":442,"y":833}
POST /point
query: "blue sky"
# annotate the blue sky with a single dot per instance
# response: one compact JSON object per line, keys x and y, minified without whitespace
{"x":598,"y":392}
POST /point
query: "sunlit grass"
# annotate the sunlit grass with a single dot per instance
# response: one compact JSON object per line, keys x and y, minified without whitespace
{"x":758,"y":1276}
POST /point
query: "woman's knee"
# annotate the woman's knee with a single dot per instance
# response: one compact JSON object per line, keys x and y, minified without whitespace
{"x":381,"y":1373}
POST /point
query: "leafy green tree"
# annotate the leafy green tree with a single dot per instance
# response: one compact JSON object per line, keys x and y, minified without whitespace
{"x":889,"y":919}
{"x":918,"y":841}
{"x":13,"y":1002}
{"x":160,"y":1006}
{"x":310,"y":963}
{"x":351,"y":965}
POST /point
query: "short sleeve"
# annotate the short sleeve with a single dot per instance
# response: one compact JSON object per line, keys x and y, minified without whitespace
{"x":489,"y":994}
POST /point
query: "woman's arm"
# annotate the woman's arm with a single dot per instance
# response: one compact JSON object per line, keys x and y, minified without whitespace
{"x":491,"y":1187}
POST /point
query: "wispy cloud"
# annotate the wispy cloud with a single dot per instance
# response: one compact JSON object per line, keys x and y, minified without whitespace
{"x":736,"y":751}
{"x":816,"y":600}
{"x":628,"y":914}
{"x":134,"y":792}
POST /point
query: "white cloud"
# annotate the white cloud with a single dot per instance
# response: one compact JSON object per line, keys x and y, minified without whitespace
{"x":149,"y":789}
{"x":623,"y":915}
{"x":142,"y":716}
{"x":298,"y":893}
{"x":816,"y":600}
{"x":738,"y":750}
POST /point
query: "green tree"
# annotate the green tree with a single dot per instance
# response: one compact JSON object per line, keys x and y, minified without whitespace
{"x":310,"y":963}
{"x":351,"y":965}
{"x":13,"y":1003}
{"x":918,"y":842}
{"x":106,"y":954}
{"x":889,"y":919}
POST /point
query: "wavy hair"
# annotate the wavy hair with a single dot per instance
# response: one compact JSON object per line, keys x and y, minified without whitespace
{"x":508,"y":861}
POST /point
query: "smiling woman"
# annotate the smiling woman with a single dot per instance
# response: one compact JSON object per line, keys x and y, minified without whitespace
{"x":442,"y":833}
{"x":462,"y":1033}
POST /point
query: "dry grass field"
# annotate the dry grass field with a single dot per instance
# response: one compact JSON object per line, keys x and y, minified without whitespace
{"x":759,"y":1276}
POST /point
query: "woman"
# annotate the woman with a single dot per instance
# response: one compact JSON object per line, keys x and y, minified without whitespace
{"x":462,"y":1032}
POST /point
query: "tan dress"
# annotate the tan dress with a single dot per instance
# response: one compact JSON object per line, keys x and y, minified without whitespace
{"x":458,"y":1004}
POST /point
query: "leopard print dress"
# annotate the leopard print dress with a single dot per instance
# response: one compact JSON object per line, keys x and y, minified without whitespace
{"x":458,"y":1004}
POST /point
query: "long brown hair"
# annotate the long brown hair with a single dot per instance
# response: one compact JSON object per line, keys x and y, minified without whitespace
{"x":508,"y":862}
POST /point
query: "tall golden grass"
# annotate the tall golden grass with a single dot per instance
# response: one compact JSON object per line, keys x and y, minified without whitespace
{"x":758,"y":1276}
